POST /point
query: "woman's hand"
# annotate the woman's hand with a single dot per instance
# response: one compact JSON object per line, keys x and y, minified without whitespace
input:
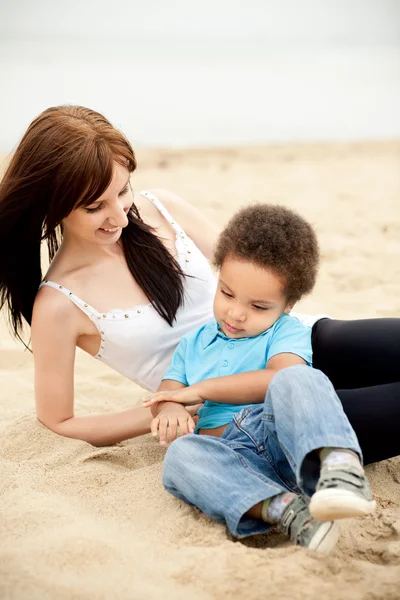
{"x":186,"y":396}
{"x":169,"y":419}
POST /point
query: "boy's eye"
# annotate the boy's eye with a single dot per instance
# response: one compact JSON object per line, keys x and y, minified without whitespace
{"x":226,"y":294}
{"x":260,"y":307}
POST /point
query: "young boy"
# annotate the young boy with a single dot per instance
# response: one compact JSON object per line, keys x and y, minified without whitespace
{"x":262,"y":455}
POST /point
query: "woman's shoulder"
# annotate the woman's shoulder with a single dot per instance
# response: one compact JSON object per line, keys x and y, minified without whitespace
{"x":167,"y":197}
{"x":178,"y":206}
{"x":197,"y":226}
{"x":51,"y":305}
{"x":68,"y":273}
{"x":173,"y":203}
{"x":53,"y":308}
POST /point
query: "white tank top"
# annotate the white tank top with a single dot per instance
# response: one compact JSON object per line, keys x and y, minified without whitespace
{"x":137,"y":342}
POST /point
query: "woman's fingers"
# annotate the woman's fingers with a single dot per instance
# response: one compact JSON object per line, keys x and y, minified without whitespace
{"x":183,"y":425}
{"x":157,"y":398}
{"x":166,"y":427}
{"x":191,"y":425}
{"x":154,"y":426}
{"x":173,"y":429}
{"x":163,"y":430}
{"x":186,"y":425}
{"x":149,"y":401}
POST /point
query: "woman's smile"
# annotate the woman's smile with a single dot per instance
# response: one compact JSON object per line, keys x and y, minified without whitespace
{"x":109,"y":231}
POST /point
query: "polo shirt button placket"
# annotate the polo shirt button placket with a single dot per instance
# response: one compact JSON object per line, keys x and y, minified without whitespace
{"x":225,"y":363}
{"x":230,"y":345}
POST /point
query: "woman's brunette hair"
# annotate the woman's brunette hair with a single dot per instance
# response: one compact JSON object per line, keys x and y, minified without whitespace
{"x":65,"y":161}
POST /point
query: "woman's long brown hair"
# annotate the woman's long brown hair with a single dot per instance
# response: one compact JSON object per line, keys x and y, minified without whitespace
{"x":64,"y":161}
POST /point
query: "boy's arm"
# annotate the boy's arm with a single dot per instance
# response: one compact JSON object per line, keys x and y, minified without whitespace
{"x":170,"y":384}
{"x":246,"y":388}
{"x":290,"y":345}
{"x":242,"y":388}
{"x":169,"y":416}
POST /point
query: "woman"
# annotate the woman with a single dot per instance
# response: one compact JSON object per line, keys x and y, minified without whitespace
{"x":68,"y":182}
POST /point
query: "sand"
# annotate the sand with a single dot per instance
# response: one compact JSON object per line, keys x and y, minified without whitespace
{"x":79,"y":522}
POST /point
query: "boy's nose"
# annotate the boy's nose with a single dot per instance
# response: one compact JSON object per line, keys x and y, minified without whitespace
{"x":237,"y":314}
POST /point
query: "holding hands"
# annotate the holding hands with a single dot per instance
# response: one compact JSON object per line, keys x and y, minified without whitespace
{"x":170,"y":417}
{"x":173,"y":412}
{"x":188,"y":396}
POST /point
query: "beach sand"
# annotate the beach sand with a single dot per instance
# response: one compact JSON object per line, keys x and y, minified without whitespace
{"x":86,"y":523}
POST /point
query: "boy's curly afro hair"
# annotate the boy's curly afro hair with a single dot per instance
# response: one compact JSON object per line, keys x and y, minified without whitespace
{"x":276,"y":238}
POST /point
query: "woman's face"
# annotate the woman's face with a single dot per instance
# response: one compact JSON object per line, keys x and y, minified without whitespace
{"x":102,"y":221}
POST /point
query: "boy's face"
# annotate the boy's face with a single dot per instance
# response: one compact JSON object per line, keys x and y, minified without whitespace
{"x":249,"y":299}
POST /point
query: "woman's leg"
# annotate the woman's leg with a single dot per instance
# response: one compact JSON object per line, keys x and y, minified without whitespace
{"x":374,"y":414}
{"x":356,"y":354}
{"x":362,"y":359}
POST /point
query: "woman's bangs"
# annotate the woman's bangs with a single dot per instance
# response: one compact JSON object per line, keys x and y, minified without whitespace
{"x":126,"y":159}
{"x":97,"y":174}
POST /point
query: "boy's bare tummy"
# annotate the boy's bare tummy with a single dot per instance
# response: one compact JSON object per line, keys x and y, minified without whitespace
{"x":215,"y":431}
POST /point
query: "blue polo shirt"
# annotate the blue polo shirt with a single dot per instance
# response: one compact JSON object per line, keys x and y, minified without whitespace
{"x":206,"y":352}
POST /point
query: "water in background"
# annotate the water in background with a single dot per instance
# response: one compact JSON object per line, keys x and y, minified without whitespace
{"x":185,"y":90}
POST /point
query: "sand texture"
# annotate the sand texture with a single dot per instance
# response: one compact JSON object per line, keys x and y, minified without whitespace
{"x":85,"y":523}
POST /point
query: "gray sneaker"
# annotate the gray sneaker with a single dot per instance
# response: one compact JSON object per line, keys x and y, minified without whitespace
{"x":306,"y":531}
{"x":342,"y":492}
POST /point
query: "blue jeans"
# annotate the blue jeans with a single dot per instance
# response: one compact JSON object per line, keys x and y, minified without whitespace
{"x":266,"y":450}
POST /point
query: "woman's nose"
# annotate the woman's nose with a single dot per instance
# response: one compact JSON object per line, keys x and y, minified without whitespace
{"x":118,"y":217}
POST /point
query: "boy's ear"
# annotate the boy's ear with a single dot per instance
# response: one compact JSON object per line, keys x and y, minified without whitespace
{"x":289,"y":306}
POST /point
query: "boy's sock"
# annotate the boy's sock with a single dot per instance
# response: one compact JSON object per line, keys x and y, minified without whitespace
{"x":335,"y":457}
{"x":291,"y":512}
{"x":273,"y":508}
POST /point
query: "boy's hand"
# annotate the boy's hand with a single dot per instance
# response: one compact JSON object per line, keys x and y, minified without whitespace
{"x":169,"y":418}
{"x":187,"y":396}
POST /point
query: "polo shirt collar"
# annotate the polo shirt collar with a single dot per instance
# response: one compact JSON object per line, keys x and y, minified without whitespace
{"x":210,"y":332}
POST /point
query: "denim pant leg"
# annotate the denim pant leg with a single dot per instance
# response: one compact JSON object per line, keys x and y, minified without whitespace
{"x":303,"y":413}
{"x":222,"y":477}
{"x":267,"y":450}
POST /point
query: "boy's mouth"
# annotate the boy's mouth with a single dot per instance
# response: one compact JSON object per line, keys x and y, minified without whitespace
{"x":231,"y":329}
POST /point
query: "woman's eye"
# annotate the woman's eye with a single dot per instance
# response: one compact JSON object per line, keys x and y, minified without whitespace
{"x":125,"y":190}
{"x":93,"y":210}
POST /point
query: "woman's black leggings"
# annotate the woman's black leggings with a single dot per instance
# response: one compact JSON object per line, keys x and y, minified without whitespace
{"x":362,"y":359}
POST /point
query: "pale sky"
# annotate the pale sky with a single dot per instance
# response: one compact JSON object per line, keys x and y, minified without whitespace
{"x":201,"y":72}
{"x":288,"y":21}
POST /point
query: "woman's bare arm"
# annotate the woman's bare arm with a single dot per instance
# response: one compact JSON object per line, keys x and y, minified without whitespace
{"x":55,"y":330}
{"x":196,"y":225}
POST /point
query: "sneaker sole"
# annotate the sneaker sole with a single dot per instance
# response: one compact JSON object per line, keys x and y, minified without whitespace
{"x":326,"y":538}
{"x":331,"y":504}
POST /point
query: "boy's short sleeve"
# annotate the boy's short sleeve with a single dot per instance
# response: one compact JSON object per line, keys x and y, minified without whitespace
{"x":292,"y":337}
{"x":177,"y":367}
